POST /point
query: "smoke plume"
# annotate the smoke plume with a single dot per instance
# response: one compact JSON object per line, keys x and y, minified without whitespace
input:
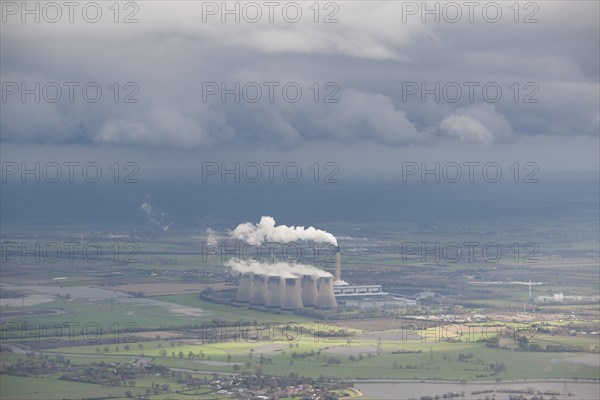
{"x":154,"y":217}
{"x":211,"y":239}
{"x":266,"y":231}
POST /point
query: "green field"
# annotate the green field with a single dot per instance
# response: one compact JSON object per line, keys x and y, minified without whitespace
{"x":168,"y":328}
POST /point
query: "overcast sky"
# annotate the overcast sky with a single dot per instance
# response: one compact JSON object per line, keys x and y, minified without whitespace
{"x":370,"y":62}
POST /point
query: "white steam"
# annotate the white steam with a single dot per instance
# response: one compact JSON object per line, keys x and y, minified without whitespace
{"x":286,"y":270}
{"x":266,"y":231}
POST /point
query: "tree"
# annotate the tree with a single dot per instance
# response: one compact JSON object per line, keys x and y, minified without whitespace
{"x":523,"y":342}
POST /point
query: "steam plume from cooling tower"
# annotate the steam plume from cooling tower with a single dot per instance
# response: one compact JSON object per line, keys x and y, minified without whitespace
{"x":286,"y":270}
{"x":266,"y":231}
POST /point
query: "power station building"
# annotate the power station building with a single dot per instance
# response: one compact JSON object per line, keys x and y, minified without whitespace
{"x":291,"y":291}
{"x":368,"y":297}
{"x":321,"y":291}
{"x":286,"y":292}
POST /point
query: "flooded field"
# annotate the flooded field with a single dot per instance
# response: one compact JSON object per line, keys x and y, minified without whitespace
{"x":25,"y":301}
{"x":74,"y":292}
{"x":414,"y":390}
{"x":48,"y":293}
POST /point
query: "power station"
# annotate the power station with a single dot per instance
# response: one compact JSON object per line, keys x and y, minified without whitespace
{"x":286,"y":292}
{"x":289,"y":291}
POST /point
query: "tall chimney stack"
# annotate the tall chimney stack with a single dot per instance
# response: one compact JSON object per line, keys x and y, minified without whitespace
{"x":309,"y":290}
{"x":338,"y":265}
{"x":326,"y":298}
{"x":259,"y":295}
{"x":276,"y":291}
{"x":292,"y":299}
{"x":245,"y":289}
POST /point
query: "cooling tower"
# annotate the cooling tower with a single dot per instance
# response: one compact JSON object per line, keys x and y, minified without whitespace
{"x":261,"y":291}
{"x":338,"y":265}
{"x":245,"y":289}
{"x":326,"y":298}
{"x":292,"y":298}
{"x":276,"y":291}
{"x":309,"y":290}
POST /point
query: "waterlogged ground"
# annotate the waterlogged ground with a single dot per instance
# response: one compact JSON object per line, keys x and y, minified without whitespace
{"x":29,"y":300}
{"x":408,"y":390}
{"x":46,"y":293}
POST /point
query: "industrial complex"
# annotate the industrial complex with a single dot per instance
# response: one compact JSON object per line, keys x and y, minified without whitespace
{"x":287,"y":291}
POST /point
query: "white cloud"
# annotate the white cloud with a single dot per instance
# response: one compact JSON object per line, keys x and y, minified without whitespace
{"x":369,"y":53}
{"x":371,"y":116}
{"x":163,"y":127}
{"x":466,"y":129}
{"x":479,"y":123}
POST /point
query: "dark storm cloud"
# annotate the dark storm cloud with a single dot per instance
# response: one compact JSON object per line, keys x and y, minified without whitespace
{"x":371,"y":55}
